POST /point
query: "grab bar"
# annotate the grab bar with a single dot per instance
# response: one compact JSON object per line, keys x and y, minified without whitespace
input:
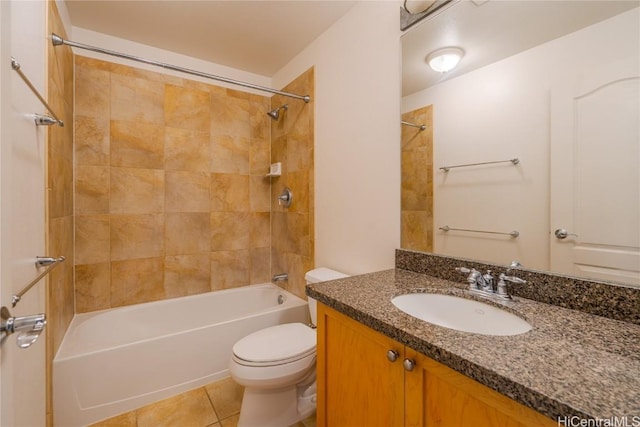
{"x":513,"y":233}
{"x":40,"y":120}
{"x":421,"y":127}
{"x":48,"y":262}
{"x":514,"y":161}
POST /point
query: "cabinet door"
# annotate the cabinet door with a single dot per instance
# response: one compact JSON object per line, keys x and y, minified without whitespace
{"x":437,"y":396}
{"x":357,"y":384}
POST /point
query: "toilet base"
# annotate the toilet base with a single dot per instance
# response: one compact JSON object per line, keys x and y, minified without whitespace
{"x":276,"y":408}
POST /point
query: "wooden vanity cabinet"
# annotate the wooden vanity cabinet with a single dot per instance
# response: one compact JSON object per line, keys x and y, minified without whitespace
{"x":360,"y":384}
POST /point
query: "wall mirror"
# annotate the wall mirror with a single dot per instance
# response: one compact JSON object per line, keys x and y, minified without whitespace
{"x":530,"y":147}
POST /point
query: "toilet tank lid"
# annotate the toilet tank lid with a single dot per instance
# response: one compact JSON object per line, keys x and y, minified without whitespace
{"x":323,"y":274}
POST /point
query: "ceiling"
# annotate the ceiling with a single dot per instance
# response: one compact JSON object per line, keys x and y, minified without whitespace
{"x":260,"y":37}
{"x":492,"y":30}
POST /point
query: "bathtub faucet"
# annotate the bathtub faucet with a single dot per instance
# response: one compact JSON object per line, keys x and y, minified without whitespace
{"x":279,"y":277}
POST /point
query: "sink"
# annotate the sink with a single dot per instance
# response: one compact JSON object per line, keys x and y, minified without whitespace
{"x":461,"y":314}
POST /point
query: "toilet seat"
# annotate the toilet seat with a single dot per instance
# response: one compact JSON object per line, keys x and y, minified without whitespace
{"x":276,"y":345}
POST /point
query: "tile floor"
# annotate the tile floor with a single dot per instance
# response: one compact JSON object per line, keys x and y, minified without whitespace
{"x":214,"y":405}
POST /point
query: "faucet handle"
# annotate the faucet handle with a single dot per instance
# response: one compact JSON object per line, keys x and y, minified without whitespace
{"x":512,"y":279}
{"x":463,"y":270}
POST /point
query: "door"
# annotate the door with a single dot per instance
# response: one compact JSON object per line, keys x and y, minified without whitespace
{"x":595,"y":181}
{"x":22,"y":228}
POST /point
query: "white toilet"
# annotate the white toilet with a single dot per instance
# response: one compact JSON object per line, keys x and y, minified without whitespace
{"x":277,"y":367}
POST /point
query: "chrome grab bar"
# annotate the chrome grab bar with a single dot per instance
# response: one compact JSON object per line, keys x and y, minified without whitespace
{"x":48,"y":262}
{"x":515,"y":161}
{"x":39,"y":119}
{"x":513,"y":233}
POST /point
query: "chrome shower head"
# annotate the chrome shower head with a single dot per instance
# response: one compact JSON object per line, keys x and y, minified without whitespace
{"x":275,"y":114}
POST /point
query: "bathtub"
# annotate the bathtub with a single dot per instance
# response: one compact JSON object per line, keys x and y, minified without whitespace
{"x":117,"y":360}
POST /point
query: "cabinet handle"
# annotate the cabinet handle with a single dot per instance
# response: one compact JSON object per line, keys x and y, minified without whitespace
{"x":409,"y":364}
{"x":392,"y":355}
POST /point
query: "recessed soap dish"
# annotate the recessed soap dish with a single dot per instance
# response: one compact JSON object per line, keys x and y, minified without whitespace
{"x":275,"y":169}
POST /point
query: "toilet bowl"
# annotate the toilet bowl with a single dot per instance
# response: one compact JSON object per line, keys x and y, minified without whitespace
{"x":277,"y":367}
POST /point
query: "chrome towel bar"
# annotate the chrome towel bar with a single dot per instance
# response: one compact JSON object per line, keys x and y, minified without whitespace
{"x":40,"y":120}
{"x":48,"y":262}
{"x":421,"y":127}
{"x":513,"y":233}
{"x":514,"y":161}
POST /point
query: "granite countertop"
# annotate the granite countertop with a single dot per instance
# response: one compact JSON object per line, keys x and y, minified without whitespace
{"x":570,"y":364}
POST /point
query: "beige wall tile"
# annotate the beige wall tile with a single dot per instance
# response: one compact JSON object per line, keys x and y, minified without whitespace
{"x":136,"y":281}
{"x":92,"y":239}
{"x":137,"y":236}
{"x":137,"y":145}
{"x":186,"y":108}
{"x":260,"y":193}
{"x":187,"y":233}
{"x":92,"y":190}
{"x":260,"y":231}
{"x":92,"y":141}
{"x":260,"y":156}
{"x":229,"y":193}
{"x":93,"y":287}
{"x":60,"y":182}
{"x":136,"y":190}
{"x":187,"y":150}
{"x":187,"y":275}
{"x":187,"y":191}
{"x":230,"y":154}
{"x":92,"y":92}
{"x":230,"y":116}
{"x":260,"y":265}
{"x":230,"y":230}
{"x":415,"y":172}
{"x":229,"y":269}
{"x":417,"y":230}
{"x":188,"y":409}
{"x":137,"y":99}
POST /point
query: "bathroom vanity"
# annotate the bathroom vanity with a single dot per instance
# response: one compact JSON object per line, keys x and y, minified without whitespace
{"x":380,"y":366}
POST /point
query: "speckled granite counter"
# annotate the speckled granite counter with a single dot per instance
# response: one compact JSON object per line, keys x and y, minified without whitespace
{"x":570,"y":364}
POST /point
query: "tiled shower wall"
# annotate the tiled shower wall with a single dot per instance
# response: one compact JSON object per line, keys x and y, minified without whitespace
{"x":417,"y":181}
{"x":292,"y":228}
{"x":59,"y":193}
{"x":171,"y":196}
{"x":171,"y":193}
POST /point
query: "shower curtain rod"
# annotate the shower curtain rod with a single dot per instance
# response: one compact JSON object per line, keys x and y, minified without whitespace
{"x":58,"y":41}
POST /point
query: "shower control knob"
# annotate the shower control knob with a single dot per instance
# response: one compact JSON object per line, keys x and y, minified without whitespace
{"x":408,"y":364}
{"x":392,"y":355}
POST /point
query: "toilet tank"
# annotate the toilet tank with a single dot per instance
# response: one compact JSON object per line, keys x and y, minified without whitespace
{"x":318,"y":275}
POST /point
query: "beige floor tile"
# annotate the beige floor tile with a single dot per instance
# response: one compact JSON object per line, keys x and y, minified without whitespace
{"x":191,"y":409}
{"x":226,"y":396}
{"x":125,"y":420}
{"x":230,"y":422}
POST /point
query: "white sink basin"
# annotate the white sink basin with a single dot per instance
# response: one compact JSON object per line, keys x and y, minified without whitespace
{"x":461,"y":314}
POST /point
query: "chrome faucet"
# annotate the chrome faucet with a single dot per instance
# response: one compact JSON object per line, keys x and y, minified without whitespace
{"x":280,"y":277}
{"x":482,"y":284}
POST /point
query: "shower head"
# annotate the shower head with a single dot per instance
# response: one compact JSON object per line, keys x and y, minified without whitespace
{"x":275,"y":114}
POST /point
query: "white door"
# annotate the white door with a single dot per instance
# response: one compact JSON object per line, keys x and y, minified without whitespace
{"x":595,"y":181}
{"x":22,"y":228}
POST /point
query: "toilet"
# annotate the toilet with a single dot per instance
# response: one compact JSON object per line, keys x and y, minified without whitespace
{"x":277,"y":367}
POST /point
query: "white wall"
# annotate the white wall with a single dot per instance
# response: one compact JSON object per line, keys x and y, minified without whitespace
{"x":357,"y":137}
{"x":22,"y":195}
{"x":499,"y":112}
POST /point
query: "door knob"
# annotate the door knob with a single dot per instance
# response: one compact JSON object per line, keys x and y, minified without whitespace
{"x":561,"y":233}
{"x":408,"y":364}
{"x":392,"y":355}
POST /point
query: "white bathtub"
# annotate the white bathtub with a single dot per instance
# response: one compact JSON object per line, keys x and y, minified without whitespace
{"x":114,"y":361}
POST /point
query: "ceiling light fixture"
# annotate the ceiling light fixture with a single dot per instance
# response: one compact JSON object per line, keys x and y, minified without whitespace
{"x":445,"y":59}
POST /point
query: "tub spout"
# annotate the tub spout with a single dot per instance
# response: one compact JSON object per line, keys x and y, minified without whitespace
{"x":279,"y":277}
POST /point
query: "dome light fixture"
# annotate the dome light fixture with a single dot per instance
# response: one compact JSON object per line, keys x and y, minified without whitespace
{"x":445,"y":59}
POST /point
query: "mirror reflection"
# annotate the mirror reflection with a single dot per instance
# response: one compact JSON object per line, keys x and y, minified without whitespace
{"x":530,"y":147}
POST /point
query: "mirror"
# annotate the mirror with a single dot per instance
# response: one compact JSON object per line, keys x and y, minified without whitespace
{"x":538,"y":125}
